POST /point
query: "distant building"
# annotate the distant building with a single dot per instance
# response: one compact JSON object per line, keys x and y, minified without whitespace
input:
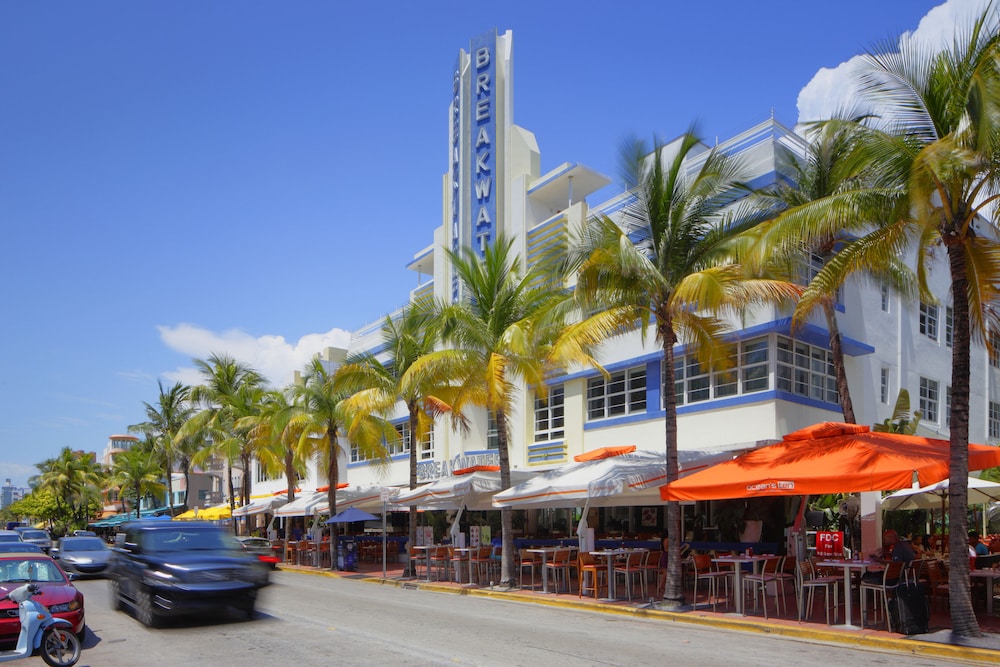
{"x":10,"y":494}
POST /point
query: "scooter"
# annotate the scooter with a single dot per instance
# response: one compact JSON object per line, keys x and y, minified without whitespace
{"x":59,"y":646}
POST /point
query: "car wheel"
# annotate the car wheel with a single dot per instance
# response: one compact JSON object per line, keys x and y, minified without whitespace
{"x":144,"y":609}
{"x":115,"y":593}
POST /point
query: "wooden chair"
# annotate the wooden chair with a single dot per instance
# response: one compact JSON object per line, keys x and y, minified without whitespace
{"x":881,"y":591}
{"x":937,"y":583}
{"x":458,"y":562}
{"x":440,"y":561}
{"x":651,"y":566}
{"x":481,"y":559}
{"x":587,"y":564}
{"x":807,"y":581}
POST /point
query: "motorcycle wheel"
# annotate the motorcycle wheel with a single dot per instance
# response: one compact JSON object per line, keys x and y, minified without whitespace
{"x":60,"y":647}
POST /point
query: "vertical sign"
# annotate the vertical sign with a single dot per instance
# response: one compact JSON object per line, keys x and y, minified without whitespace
{"x":483,"y":134}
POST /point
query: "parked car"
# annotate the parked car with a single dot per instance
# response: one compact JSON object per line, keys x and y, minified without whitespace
{"x":10,"y":536}
{"x":85,"y":556}
{"x":261,"y":548}
{"x":58,"y":592}
{"x":35,"y":536}
{"x":169,"y":568}
{"x":20,"y":548}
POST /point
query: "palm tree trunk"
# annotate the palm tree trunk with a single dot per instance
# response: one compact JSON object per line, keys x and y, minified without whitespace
{"x":170,"y":489}
{"x":837,"y":351}
{"x":674,"y":592}
{"x":290,"y":475}
{"x":506,"y":513}
{"x":412,"y":533}
{"x":186,"y":469}
{"x":232,"y":493}
{"x":333,"y":477}
{"x":246,"y":461}
{"x":963,"y":617}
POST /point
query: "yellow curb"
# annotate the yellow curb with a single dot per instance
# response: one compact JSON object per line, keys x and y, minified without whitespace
{"x":913,"y":647}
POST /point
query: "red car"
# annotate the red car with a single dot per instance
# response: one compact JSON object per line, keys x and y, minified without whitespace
{"x":57,"y":592}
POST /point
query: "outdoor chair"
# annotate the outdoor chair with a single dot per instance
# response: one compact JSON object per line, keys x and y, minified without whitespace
{"x":418,"y":559}
{"x":891,"y":575}
{"x":598,"y":574}
{"x":527,"y":561}
{"x":440,"y":561}
{"x":759,"y":582}
{"x":458,"y":563}
{"x":806,"y":585}
{"x":705,"y":570}
{"x":559,"y":566}
{"x":631,"y":568}
{"x":651,"y":566}
{"x":481,"y":562}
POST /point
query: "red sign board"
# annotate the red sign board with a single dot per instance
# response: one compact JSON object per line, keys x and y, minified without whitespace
{"x":830,"y":543}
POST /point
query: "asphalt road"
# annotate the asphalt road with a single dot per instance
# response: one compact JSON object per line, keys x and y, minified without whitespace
{"x":306,"y":620}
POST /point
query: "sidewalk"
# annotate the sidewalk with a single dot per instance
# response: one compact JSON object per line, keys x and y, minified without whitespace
{"x":938,"y":643}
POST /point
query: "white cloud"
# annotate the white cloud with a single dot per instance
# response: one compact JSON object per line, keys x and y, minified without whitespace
{"x":272,"y":356}
{"x":18,"y":473}
{"x":832,"y":89}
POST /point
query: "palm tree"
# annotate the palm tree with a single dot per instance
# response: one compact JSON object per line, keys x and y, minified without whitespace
{"x":669,"y":261}
{"x":137,"y":471}
{"x":276,"y":438}
{"x":163,"y":422}
{"x":231,"y":391}
{"x":940,"y":112}
{"x":831,"y":181}
{"x":508,"y":326}
{"x":73,"y":480}
{"x":321,"y":413}
{"x":378,"y":387}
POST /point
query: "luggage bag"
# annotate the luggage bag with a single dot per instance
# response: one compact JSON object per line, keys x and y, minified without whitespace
{"x":908,"y":610}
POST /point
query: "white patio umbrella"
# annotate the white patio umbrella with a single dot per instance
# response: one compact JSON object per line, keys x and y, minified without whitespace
{"x":935,"y":496}
{"x":472,"y":490}
{"x":304,"y":505}
{"x":623,"y":480}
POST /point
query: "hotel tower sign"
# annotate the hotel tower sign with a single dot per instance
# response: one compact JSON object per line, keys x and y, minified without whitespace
{"x":478,"y":118}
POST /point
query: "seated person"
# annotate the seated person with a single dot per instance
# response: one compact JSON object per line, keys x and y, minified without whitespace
{"x":893,"y":550}
{"x":976,"y":547}
{"x":917,"y":544}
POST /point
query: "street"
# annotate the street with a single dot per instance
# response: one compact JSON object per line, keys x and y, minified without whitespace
{"x":306,"y":620}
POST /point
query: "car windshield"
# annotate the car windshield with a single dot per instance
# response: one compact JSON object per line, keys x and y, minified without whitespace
{"x":34,"y":535}
{"x":186,"y":540}
{"x":19,"y":570}
{"x":21,"y":547}
{"x":82,"y":544}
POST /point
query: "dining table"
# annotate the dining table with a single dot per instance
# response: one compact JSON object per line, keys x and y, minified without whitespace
{"x":737,"y":561}
{"x":545,"y":551}
{"x":990,"y":575}
{"x":847,"y":565}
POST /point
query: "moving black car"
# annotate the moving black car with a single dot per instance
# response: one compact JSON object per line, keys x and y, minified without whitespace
{"x":169,"y":568}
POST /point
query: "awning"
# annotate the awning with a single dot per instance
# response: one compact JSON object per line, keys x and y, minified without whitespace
{"x":473,"y":490}
{"x":216,"y":513}
{"x":617,"y":481}
{"x":304,"y":505}
{"x":259,"y":505}
{"x":368,"y":498}
{"x":604,"y":453}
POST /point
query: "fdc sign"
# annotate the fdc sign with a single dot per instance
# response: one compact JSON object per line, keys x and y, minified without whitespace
{"x":830,"y":543}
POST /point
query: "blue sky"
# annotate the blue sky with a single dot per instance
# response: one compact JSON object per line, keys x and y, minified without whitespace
{"x":252,"y":177}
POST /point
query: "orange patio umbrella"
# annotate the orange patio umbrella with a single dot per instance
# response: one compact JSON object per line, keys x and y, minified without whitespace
{"x":828,"y":458}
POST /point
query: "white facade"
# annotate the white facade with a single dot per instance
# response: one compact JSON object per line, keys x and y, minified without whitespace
{"x":782,"y":381}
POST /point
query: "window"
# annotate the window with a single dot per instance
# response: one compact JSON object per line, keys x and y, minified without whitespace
{"x":743,"y":372}
{"x":949,"y":326}
{"x":929,"y":320}
{"x":994,"y":427}
{"x":885,"y":298}
{"x":929,"y":399}
{"x":623,"y":394}
{"x":884,"y":386}
{"x":806,"y":370}
{"x":947,"y":406}
{"x":492,"y":434}
{"x":400,"y":445}
{"x":263,"y":475}
{"x":426,"y":450}
{"x":549,"y":417}
{"x":994,"y":349}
